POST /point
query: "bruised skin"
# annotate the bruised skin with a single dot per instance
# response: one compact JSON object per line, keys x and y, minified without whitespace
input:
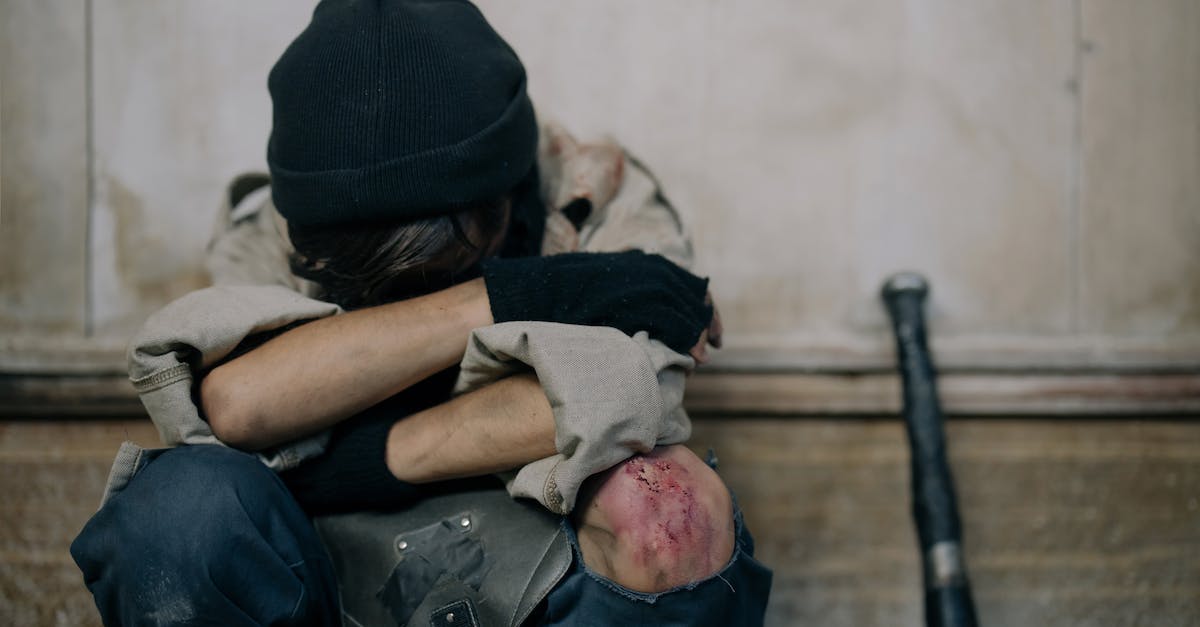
{"x":656,"y":521}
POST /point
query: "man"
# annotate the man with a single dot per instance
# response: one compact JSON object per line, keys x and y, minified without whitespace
{"x":407,"y":175}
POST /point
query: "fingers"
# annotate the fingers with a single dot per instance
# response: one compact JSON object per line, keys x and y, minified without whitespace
{"x":715,"y":328}
{"x":699,"y":352}
{"x":712,"y":336}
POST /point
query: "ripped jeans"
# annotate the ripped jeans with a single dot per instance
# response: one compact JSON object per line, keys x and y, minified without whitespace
{"x":206,"y":535}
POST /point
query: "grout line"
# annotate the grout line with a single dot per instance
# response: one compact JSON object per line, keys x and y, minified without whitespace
{"x":90,"y":131}
{"x":1075,"y":246}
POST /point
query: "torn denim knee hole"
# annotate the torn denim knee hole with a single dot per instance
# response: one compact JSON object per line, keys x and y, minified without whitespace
{"x":651,"y":598}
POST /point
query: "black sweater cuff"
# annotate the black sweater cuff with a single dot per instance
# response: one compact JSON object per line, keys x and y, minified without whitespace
{"x":352,"y":474}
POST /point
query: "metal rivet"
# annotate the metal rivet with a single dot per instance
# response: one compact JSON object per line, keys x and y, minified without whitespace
{"x":465,"y":522}
{"x":403,"y":544}
{"x":450,"y":616}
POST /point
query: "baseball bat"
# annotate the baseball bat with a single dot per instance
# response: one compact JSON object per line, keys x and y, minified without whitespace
{"x":948,"y":601}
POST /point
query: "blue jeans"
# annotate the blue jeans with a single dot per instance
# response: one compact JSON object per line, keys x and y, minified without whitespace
{"x":206,"y":535}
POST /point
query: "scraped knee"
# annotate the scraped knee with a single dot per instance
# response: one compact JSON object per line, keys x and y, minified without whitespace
{"x":657,"y":521}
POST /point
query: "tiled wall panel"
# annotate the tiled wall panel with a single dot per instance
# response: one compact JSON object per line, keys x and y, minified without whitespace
{"x":819,"y":146}
{"x":43,"y":167}
{"x":1140,"y":209}
{"x":1038,"y":160}
{"x":181,"y":106}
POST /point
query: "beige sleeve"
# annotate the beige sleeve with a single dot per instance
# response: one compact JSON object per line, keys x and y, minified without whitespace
{"x":612,"y":396}
{"x":193,"y":333}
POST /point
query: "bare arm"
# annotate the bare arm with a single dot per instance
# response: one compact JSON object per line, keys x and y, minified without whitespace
{"x":504,"y":425}
{"x":316,"y":375}
{"x":501,"y":426}
{"x":651,"y":523}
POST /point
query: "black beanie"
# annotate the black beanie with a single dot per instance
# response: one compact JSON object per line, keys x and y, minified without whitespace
{"x":394,"y":110}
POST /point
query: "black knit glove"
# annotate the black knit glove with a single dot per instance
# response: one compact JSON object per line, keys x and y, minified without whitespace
{"x":631,"y":291}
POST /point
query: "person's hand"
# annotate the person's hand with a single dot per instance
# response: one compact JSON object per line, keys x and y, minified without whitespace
{"x":710,"y":336}
{"x":631,"y":291}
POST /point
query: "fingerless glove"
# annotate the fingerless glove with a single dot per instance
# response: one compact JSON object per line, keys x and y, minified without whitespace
{"x":631,"y":291}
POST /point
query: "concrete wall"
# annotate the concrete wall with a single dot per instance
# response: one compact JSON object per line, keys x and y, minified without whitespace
{"x":1038,"y":160}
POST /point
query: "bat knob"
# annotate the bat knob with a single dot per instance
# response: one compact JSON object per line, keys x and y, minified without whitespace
{"x":903,"y":283}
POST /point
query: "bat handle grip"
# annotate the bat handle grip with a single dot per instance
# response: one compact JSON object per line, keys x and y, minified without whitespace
{"x":948,"y":599}
{"x":950,"y":606}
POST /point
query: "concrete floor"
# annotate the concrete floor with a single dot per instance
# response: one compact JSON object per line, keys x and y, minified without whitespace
{"x":1068,"y":522}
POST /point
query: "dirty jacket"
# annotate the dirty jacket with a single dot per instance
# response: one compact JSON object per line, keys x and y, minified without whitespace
{"x":254,"y":292}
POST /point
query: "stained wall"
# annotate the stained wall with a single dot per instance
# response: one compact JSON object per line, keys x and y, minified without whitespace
{"x":1039,"y":161}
